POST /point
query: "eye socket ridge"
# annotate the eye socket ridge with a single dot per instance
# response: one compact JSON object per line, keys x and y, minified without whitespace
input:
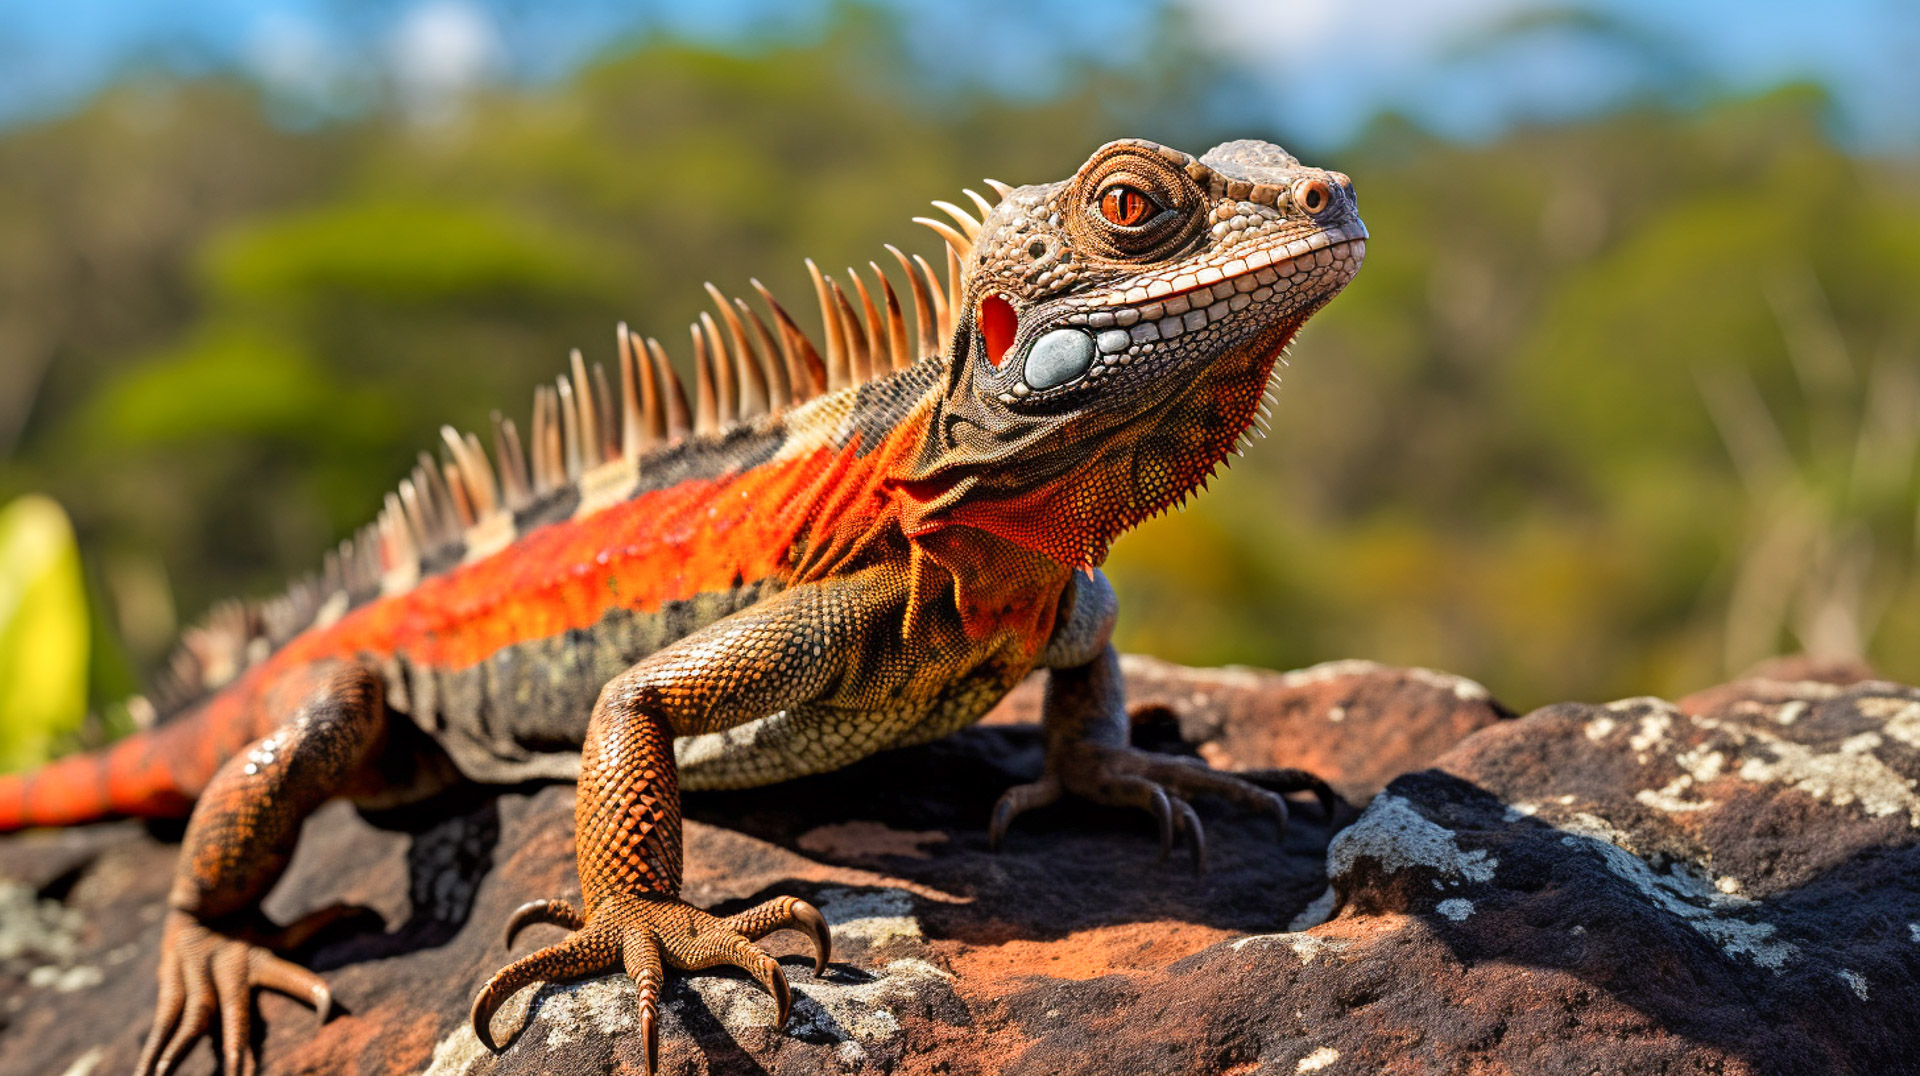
{"x":1132,"y":206}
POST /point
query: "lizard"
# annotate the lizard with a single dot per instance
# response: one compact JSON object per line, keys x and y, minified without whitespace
{"x":836,"y":548}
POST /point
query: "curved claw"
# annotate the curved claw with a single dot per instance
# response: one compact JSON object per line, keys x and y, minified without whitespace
{"x":1131,"y":790}
{"x":809,"y":921}
{"x":714,"y":943}
{"x":1004,"y":812}
{"x":480,"y":1015}
{"x":782,"y":995}
{"x":1282,"y":818}
{"x":786,"y":913}
{"x":1196,"y":835}
{"x":750,"y":959}
{"x":580,"y":954}
{"x":557,"y":912}
{"x":1290,"y":780}
{"x":1190,"y":777}
{"x":1163,"y":814}
{"x":1016,"y":801}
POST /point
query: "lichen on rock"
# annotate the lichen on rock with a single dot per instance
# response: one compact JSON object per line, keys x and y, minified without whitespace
{"x":1724,"y":883}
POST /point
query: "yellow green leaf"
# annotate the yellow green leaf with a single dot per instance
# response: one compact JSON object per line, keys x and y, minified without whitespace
{"x":43,"y":630}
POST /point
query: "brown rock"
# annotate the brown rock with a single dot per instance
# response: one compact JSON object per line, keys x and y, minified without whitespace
{"x":1356,"y":724}
{"x":1728,"y":886}
{"x":932,"y":933}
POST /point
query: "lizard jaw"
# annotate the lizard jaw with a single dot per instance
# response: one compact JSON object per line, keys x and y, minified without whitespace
{"x":1281,"y":259}
{"x":1131,"y":323}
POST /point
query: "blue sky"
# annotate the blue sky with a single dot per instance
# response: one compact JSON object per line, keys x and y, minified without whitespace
{"x":1320,"y":67}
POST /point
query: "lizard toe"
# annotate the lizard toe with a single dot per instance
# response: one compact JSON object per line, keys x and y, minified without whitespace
{"x":556,"y":912}
{"x":1160,"y":785}
{"x":644,"y":934}
{"x":1283,"y":781}
{"x":1015,"y":802}
{"x":592,"y":950}
{"x":207,"y":980}
{"x":786,"y":913}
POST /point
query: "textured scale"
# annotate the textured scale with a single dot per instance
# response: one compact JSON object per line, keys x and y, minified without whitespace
{"x":834,"y":544}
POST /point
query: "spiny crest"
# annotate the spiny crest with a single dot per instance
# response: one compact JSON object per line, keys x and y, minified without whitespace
{"x":745,"y":367}
{"x":583,"y":435}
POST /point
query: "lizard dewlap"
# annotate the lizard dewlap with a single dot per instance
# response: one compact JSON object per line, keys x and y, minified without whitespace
{"x":833,"y":545}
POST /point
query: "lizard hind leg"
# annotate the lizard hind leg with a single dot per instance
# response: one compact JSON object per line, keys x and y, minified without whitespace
{"x":216,"y":947}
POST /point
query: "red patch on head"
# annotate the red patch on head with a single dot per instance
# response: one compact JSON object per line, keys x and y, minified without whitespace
{"x":997,"y":324}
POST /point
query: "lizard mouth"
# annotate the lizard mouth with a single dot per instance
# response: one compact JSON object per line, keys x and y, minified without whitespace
{"x":1265,"y":267}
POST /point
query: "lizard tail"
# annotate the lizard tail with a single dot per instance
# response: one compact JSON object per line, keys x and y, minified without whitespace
{"x":151,"y":774}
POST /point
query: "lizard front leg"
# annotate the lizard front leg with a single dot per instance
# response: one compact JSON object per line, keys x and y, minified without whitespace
{"x":216,"y":946}
{"x":785,"y":652}
{"x":1085,"y":722}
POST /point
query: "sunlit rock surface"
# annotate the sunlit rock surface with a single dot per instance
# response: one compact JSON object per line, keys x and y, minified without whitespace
{"x":1727,"y":884}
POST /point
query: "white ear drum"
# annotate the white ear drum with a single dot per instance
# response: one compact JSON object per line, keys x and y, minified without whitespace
{"x":1058,"y":357}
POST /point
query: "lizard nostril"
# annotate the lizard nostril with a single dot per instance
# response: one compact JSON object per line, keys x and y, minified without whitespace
{"x":1313,"y":196}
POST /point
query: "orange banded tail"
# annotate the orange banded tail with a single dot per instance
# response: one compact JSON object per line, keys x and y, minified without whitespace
{"x":131,"y":778}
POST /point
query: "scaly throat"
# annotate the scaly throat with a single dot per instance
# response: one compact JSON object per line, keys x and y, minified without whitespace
{"x":1073,"y":492}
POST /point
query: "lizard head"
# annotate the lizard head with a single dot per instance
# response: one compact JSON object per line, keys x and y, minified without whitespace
{"x":1117,"y":335}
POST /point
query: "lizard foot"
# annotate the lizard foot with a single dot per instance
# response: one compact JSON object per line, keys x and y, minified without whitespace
{"x":1159,"y":784}
{"x":208,"y":976}
{"x":642,"y":933}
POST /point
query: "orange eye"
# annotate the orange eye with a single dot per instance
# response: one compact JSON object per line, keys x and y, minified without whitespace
{"x":1128,"y":207}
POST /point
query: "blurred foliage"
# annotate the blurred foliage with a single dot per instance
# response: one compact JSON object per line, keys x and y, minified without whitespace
{"x":1614,"y":408}
{"x":43,"y":631}
{"x":1520,"y":462}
